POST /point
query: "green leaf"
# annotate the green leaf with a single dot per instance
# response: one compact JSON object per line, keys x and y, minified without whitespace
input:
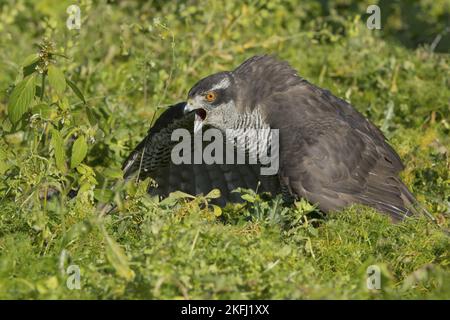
{"x":43,"y":109}
{"x":304,"y":206}
{"x":29,"y":64}
{"x":30,"y":69}
{"x":15,"y":137}
{"x":84,"y":188}
{"x":58,"y":146}
{"x":216,"y":210}
{"x":79,"y":151}
{"x":56,"y":79}
{"x":103,"y":195}
{"x":116,"y":256}
{"x":21,"y":98}
{"x":213,"y":194}
{"x":4,"y":166}
{"x":31,"y":59}
{"x":75,"y":90}
{"x":91,"y":116}
{"x":64,"y":104}
{"x":113,"y":173}
{"x":180,"y":195}
{"x":174,"y":197}
{"x":248,"y":197}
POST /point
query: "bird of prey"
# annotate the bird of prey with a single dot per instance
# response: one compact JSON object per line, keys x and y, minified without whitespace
{"x":329,"y":153}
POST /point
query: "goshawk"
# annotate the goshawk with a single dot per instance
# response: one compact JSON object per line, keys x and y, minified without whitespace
{"x":329,"y":153}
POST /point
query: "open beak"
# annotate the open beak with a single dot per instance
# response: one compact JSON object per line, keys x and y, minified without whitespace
{"x":200,"y":115}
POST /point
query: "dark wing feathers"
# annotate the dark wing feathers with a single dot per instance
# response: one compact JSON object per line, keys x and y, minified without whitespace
{"x":330,"y":154}
{"x":137,"y":161}
{"x":151,"y":158}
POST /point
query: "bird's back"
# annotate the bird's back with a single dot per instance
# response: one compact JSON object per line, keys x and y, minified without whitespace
{"x":329,"y":153}
{"x":332,"y":155}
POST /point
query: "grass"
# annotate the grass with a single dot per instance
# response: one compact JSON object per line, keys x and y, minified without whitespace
{"x":129,"y":61}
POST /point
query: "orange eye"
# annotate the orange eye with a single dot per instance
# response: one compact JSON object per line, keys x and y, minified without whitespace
{"x":210,"y":96}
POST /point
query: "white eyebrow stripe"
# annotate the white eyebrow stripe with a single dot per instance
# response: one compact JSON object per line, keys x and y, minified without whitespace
{"x":223,"y":84}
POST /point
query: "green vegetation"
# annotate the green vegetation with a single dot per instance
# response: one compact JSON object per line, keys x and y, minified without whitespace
{"x":71,"y":114}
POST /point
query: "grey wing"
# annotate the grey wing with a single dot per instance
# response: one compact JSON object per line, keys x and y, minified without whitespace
{"x":334,"y":157}
{"x":151,"y":158}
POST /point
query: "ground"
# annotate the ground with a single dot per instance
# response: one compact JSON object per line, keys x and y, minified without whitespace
{"x":128,"y":61}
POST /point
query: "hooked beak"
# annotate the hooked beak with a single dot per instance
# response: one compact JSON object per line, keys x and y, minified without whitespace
{"x":188,"y":107}
{"x":200,"y":114}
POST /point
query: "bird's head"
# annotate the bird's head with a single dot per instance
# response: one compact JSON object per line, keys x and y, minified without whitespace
{"x":213,"y":101}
